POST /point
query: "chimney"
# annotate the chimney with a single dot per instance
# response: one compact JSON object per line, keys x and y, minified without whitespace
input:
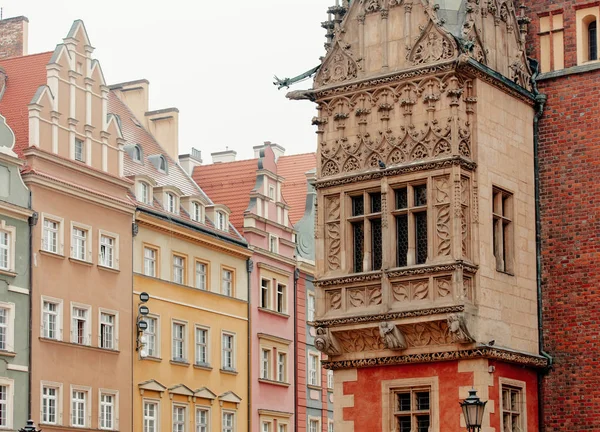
{"x":134,"y":94}
{"x":164,"y":126}
{"x":190,"y":161}
{"x":277,"y":149}
{"x":224,"y":156}
{"x":14,"y":37}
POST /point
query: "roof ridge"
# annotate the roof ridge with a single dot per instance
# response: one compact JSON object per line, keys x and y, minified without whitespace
{"x":25,"y":56}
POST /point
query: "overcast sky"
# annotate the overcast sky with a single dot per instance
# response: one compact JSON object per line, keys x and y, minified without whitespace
{"x":212,"y":59}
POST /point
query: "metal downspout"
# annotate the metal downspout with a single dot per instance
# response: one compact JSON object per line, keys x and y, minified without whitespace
{"x":249,"y":265}
{"x":32,"y":222}
{"x":296,"y":277}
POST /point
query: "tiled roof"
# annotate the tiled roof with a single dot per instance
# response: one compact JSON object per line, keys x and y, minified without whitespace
{"x":229,"y":183}
{"x":25,"y":75}
{"x":293,"y":168}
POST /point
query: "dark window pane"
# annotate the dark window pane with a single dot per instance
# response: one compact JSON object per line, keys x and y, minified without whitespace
{"x":376,"y":245}
{"x":421,"y":237}
{"x":422,"y":400}
{"x":401,"y":199}
{"x":593,"y":42}
{"x":423,"y":423}
{"x":420,"y":195}
{"x":401,"y":239}
{"x":404,"y":424}
{"x":375,"y":202}
{"x":358,"y":206}
{"x":403,"y":401}
{"x":358,"y":232}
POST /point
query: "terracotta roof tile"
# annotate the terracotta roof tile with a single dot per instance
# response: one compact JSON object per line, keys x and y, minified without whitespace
{"x":25,"y":75}
{"x":293,"y":168}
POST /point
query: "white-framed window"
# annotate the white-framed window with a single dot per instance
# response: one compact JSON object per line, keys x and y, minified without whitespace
{"x":151,"y":416}
{"x":329,"y":379}
{"x":179,"y":418}
{"x":201,"y":275}
{"x":271,"y":193}
{"x":227,"y":282}
{"x":150,"y":259}
{"x":265,"y":363}
{"x":52,"y":234}
{"x":273,"y":243}
{"x":221,"y":220}
{"x":108,"y":332}
{"x":5,"y":250}
{"x":179,"y":341}
{"x":52,"y":322}
{"x":108,"y":409}
{"x":196,"y":211}
{"x":330,"y":426}
{"x":51,"y":406}
{"x":313,"y":369}
{"x":81,"y":242}
{"x":152,"y":337}
{"x":310,"y":315}
{"x":265,"y":293}
{"x":281,"y":427}
{"x":281,"y":367}
{"x":228,"y":421}
{"x":266,"y":427}
{"x":228,"y":351}
{"x":79,"y":153}
{"x":7,"y":396}
{"x":202,"y":419}
{"x":109,"y":250}
{"x":80,"y":406}
{"x":280,"y":299}
{"x":81,"y":324}
{"x":202,"y":352}
{"x":7,"y":326}
{"x":513,"y":405}
{"x":314,"y":425}
{"x":144,"y":193}
{"x":171,"y":206}
{"x":178,"y":269}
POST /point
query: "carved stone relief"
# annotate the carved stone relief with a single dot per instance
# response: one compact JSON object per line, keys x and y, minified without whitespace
{"x":363,"y":297}
{"x":326,"y":342}
{"x":443,"y":287}
{"x":392,"y":337}
{"x":365,"y":339}
{"x":408,"y":291}
{"x":441,"y":192}
{"x":431,"y":46}
{"x":332,"y":232}
{"x":457,"y":326}
{"x":467,"y":288}
{"x":465,"y":228}
{"x":427,"y":333}
{"x":339,"y":66}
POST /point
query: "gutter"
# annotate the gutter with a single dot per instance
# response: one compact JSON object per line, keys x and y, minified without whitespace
{"x":296,"y":277}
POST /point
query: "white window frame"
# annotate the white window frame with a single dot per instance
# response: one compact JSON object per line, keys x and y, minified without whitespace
{"x":146,"y":196}
{"x":229,"y":281}
{"x":87,"y":247}
{"x":157,"y":332}
{"x":221,"y":220}
{"x":201,"y":279}
{"x":58,"y":399}
{"x":83,"y":150}
{"x":115,"y":407}
{"x":9,"y":327}
{"x":59,"y":317}
{"x":330,"y":425}
{"x":115,"y":325}
{"x":10,"y":401}
{"x":266,"y":364}
{"x":313,"y":376}
{"x":155,"y":260}
{"x":232,"y":428}
{"x":522,"y":387}
{"x":314,"y":420}
{"x":171,"y":204}
{"x":265,"y":293}
{"x":199,"y":427}
{"x":196,"y":211}
{"x":88,"y":323}
{"x":225,"y":367}
{"x":310,"y":308}
{"x":389,"y":387}
{"x":282,"y":376}
{"x":87,"y":421}
{"x":183,"y":406}
{"x":281,"y":307}
{"x":273,"y":243}
{"x":60,"y":235}
{"x":268,"y":425}
{"x":115,"y":249}
{"x":11,"y":246}
{"x":176,"y":268}
{"x":329,"y":379}
{"x":156,"y":416}
{"x":206,"y":345}
{"x":184,"y":341}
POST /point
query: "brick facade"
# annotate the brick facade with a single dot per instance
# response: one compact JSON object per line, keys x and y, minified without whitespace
{"x":13,"y":37}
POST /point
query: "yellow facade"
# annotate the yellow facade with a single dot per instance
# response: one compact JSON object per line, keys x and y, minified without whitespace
{"x":174,"y":383}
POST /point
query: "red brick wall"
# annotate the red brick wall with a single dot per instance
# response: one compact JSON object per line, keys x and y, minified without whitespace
{"x":12,"y":36}
{"x":569,"y":151}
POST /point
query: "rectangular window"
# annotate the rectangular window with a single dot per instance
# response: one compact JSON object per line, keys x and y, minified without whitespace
{"x":313,"y":369}
{"x":265,"y":285}
{"x":281,"y":300}
{"x":150,"y":416}
{"x":79,"y":407}
{"x":6,"y":401}
{"x":150,"y":261}
{"x":552,"y":55}
{"x":200,"y":275}
{"x":228,"y":421}
{"x":196,"y":212}
{"x":228,"y":351}
{"x":80,"y":325}
{"x":5,"y":250}
{"x":411,"y":225}
{"x":311,"y":308}
{"x":179,"y":418}
{"x":202,"y":346}
{"x":330,"y":426}
{"x":201,"y":420}
{"x":151,"y":337}
{"x":178,"y":269}
{"x":50,"y":236}
{"x":266,"y":427}
{"x":271,"y":193}
{"x":4,"y":317}
{"x":273,"y":244}
{"x":329,"y":379}
{"x":51,"y":320}
{"x":179,"y":353}
{"x":107,"y":251}
{"x":221,"y":221}
{"x":411,"y":408}
{"x":50,"y":400}
{"x":503,"y":236}
{"x":366,"y":241}
{"x":107,"y":330}
{"x":313,"y":426}
{"x":79,"y":239}
{"x":227,"y":283}
{"x":107,"y":411}
{"x":171,"y":203}
{"x":265,"y":364}
{"x":79,"y":150}
{"x":512,"y":409}
{"x":282,"y":427}
{"x":281,"y":367}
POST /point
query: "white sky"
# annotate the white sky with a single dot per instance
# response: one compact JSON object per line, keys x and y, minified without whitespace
{"x":212,"y":59}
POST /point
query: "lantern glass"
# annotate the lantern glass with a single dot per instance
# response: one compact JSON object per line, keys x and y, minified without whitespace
{"x":473,"y":409}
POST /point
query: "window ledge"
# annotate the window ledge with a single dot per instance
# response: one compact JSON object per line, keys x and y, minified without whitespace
{"x":203,"y":366}
{"x":505,"y":272}
{"x":179,"y":363}
{"x":273,"y":382}
{"x":314,"y":387}
{"x":89,"y":347}
{"x":154,"y":359}
{"x":585,"y":67}
{"x":271,"y":311}
{"x":109,"y":269}
{"x":7,"y":353}
{"x":8,"y":273}
{"x":82,"y":262}
{"x":70,"y":428}
{"x":52,"y":254}
{"x":228,"y":371}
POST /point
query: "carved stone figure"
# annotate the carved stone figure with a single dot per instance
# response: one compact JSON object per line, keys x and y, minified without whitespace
{"x":391,"y":336}
{"x":457,"y":328}
{"x":326,"y":342}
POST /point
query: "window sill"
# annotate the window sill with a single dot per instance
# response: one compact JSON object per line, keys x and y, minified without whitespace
{"x":314,"y":387}
{"x":154,"y":359}
{"x":109,"y":269}
{"x":179,"y":363}
{"x":7,"y":273}
{"x":82,"y":262}
{"x":272,"y":382}
{"x":227,"y":371}
{"x":52,"y":254}
{"x":272,"y":312}
{"x":7,"y":353}
{"x":205,"y":366}
{"x":505,"y":272}
{"x":70,"y":428}
{"x":71,"y":344}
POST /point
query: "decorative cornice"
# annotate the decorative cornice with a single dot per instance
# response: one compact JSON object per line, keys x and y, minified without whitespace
{"x":280,"y":271}
{"x":403,"y":169}
{"x":390,"y":316}
{"x":527,"y":360}
{"x":345,"y":280}
{"x":13,"y":210}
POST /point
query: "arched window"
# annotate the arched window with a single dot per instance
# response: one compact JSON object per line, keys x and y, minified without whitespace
{"x":162,"y":164}
{"x":137,"y":154}
{"x":592,"y":41}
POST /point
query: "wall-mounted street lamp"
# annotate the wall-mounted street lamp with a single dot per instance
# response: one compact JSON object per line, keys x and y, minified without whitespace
{"x":142,"y":325}
{"x":473,"y":409}
{"x":30,"y":427}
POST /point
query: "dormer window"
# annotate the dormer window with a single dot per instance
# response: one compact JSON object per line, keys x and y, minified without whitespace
{"x":144,"y":193}
{"x":171,"y":203}
{"x":221,"y":221}
{"x":162,"y":165}
{"x":196,"y":212}
{"x":137,"y":154}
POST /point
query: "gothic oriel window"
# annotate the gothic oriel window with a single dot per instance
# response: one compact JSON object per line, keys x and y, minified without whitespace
{"x":365,"y":222}
{"x":411,"y":224}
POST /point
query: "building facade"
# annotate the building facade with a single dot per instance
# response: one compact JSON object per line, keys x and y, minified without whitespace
{"x":425,"y":236}
{"x":15,"y":217}
{"x":563,"y":38}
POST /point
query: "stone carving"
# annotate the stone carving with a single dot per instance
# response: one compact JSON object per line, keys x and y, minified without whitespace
{"x":457,"y":326}
{"x":459,"y":265}
{"x":326,"y":342}
{"x":332,"y":236}
{"x":338,"y":66}
{"x":334,"y":299}
{"x":333,"y":208}
{"x":345,"y":280}
{"x":420,"y":289}
{"x":442,"y":211}
{"x":364,"y":297}
{"x":464,"y":216}
{"x":431,"y":46}
{"x":427,"y":333}
{"x":371,"y":5}
{"x":401,"y":291}
{"x":443,"y":287}
{"x":519,"y":73}
{"x":467,"y":289}
{"x":365,"y":339}
{"x":392,"y":337}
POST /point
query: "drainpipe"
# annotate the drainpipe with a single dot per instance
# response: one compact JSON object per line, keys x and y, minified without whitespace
{"x":249,"y":266}
{"x":32,"y":222}
{"x":296,"y":277}
{"x":540,"y":100}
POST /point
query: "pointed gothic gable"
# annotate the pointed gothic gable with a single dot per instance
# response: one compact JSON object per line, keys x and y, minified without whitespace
{"x":339,"y":66}
{"x":433,"y":45}
{"x":78,"y":34}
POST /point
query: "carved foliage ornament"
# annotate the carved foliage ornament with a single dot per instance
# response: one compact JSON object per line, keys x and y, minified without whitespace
{"x":432,"y":46}
{"x":338,"y":66}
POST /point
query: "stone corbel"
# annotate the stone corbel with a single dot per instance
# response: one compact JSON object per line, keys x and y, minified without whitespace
{"x":391,"y":336}
{"x":326,"y":342}
{"x":457,"y":328}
